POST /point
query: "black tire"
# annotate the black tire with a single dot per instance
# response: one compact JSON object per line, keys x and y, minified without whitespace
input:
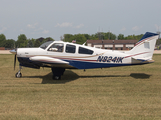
{"x":18,"y":75}
{"x":56,"y":77}
{"x":57,"y":73}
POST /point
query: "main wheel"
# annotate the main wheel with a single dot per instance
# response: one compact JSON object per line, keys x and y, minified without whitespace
{"x":57,"y":73}
{"x":18,"y":75}
{"x":56,"y":77}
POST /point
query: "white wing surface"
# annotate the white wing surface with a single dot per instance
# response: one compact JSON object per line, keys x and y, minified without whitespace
{"x":47,"y":60}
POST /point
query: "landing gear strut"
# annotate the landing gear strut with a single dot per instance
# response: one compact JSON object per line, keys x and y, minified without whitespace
{"x":18,"y":74}
{"x":57,"y":73}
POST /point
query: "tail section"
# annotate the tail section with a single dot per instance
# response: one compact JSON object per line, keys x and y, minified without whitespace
{"x":144,"y":49}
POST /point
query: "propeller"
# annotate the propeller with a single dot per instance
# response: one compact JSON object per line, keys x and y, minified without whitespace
{"x":15,"y":61}
{"x":14,"y":51}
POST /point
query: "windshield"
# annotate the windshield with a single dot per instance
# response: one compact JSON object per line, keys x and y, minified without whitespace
{"x":45,"y":45}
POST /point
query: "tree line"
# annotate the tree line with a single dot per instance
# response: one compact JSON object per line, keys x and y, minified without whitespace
{"x":22,"y":40}
{"x":82,"y":38}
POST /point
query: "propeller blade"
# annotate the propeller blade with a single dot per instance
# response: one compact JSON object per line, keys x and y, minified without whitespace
{"x":14,"y":51}
{"x":15,"y":61}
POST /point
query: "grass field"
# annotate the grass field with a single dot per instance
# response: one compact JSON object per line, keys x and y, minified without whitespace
{"x":123,"y":93}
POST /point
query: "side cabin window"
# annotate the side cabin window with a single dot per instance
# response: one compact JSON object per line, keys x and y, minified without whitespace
{"x":56,"y":47}
{"x":85,"y":51}
{"x":70,"y":48}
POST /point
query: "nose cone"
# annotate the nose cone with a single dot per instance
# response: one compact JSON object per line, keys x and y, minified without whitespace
{"x":14,"y":51}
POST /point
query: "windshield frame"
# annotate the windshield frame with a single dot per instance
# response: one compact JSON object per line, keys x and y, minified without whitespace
{"x":46,"y":44}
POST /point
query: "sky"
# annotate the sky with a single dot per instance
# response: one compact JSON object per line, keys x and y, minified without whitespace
{"x":54,"y":18}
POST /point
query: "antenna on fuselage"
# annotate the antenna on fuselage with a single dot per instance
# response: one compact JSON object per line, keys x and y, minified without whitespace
{"x":84,"y":43}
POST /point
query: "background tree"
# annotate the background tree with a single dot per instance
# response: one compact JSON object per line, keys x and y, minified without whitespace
{"x":80,"y":38}
{"x":110,"y":35}
{"x":47,"y":39}
{"x":106,"y":36}
{"x":10,"y":44}
{"x":2,"y":40}
{"x":94,"y":37}
{"x":120,"y":37}
{"x":37,"y":43}
{"x":87,"y":36}
{"x":22,"y":41}
{"x":42,"y":40}
{"x":158,"y":41}
{"x":134,"y":37}
{"x":31,"y":42}
{"x":68,"y":37}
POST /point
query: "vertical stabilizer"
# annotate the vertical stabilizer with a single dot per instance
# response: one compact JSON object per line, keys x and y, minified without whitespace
{"x":145,"y":47}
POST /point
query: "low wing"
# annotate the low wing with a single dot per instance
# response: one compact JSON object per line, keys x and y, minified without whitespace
{"x":47,"y":60}
{"x":50,"y":62}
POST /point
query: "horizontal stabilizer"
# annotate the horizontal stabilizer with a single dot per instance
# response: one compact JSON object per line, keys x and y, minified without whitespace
{"x":48,"y":60}
{"x":142,"y":60}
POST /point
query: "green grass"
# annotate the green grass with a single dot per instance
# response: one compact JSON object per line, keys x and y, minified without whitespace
{"x":123,"y":93}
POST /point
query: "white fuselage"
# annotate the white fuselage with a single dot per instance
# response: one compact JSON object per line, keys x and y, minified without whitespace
{"x":98,"y":58}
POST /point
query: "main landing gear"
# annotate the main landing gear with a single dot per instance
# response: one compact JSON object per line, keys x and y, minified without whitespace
{"x":18,"y":74}
{"x":57,"y":73}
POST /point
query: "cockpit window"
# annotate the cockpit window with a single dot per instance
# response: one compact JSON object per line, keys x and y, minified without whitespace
{"x":45,"y":45}
{"x":56,"y":47}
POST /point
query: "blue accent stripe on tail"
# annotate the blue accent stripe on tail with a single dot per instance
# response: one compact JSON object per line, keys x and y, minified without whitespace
{"x":147,"y":35}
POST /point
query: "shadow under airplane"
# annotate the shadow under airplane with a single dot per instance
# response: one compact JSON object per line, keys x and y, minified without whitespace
{"x":140,"y":75}
{"x":71,"y":76}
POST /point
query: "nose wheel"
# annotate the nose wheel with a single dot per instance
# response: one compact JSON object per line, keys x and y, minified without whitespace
{"x":19,"y":74}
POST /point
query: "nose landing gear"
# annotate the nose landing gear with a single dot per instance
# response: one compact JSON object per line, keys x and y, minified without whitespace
{"x":19,"y":74}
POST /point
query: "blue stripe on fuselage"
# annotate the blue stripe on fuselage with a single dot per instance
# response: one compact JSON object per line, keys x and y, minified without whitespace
{"x":77,"y":64}
{"x":90,"y":65}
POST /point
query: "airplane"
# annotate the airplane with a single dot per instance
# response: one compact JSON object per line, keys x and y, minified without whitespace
{"x":59,"y":55}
